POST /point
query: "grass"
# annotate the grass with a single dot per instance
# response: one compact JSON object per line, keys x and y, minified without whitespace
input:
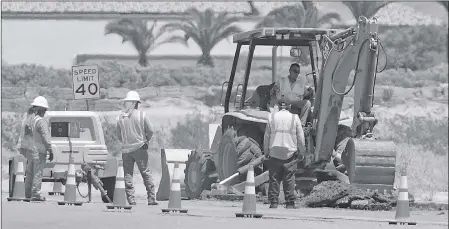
{"x":422,"y":149}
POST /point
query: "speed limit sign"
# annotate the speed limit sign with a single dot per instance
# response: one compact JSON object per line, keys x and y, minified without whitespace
{"x":86,"y":82}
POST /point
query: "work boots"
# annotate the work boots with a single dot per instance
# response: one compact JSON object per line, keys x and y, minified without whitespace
{"x":152,"y":202}
{"x":273,"y":205}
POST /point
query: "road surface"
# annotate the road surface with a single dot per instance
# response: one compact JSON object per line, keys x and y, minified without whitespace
{"x":201,"y":214}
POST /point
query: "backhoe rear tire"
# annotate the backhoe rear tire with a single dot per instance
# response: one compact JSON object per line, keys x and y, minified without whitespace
{"x":199,"y":166}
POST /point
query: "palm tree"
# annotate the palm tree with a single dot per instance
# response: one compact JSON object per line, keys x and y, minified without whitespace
{"x":137,"y":32}
{"x":364,"y":8}
{"x":301,"y":15}
{"x":205,"y":28}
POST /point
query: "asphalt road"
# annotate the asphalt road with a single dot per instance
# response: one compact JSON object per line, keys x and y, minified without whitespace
{"x":201,"y":214}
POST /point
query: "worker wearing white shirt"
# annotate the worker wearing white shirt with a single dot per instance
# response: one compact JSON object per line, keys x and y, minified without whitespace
{"x":292,"y":89}
{"x":284,"y":146}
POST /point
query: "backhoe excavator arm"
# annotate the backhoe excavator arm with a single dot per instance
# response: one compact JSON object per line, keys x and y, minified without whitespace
{"x":353,"y":49}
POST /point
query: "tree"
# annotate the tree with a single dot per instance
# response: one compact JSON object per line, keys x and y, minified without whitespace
{"x":302,"y":15}
{"x":254,"y":10}
{"x":205,"y":28}
{"x":137,"y":32}
{"x":364,"y":8}
{"x":416,"y":47}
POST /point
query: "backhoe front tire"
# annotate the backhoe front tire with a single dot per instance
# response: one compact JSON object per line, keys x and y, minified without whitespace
{"x":199,"y":166}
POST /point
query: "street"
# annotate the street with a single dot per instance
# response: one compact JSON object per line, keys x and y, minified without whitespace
{"x":201,"y":214}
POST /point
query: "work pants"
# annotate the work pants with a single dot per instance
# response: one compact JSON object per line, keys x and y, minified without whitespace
{"x":301,"y":108}
{"x":140,"y":157}
{"x":282,"y":170}
{"x":34,"y":173}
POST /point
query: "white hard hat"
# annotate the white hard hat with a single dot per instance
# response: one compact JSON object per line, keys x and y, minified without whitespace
{"x":132,"y":96}
{"x":40,"y":101}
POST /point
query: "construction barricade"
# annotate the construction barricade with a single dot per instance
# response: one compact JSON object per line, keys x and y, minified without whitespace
{"x":168,"y":159}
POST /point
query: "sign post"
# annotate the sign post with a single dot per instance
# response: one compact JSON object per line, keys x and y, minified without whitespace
{"x":86,"y":83}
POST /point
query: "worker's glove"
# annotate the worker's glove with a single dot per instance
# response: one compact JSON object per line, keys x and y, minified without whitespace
{"x":309,"y":94}
{"x":306,"y":130}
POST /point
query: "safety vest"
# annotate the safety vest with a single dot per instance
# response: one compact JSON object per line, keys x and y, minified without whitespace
{"x":26,"y":140}
{"x":39,"y":145}
{"x":294,"y":93}
{"x":132,"y":131}
{"x":283,"y":136}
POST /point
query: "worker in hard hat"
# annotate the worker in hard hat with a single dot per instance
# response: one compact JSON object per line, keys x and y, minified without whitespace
{"x":284,"y":146}
{"x":37,"y":157}
{"x":134,"y":131}
{"x":25,"y":144}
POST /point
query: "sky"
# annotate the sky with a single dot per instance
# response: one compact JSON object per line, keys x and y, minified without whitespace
{"x":56,"y":42}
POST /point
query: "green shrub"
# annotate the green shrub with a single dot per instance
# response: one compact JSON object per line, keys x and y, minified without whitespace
{"x":116,"y":75}
{"x":415,"y":47}
{"x":192,"y":133}
{"x":430,"y":134}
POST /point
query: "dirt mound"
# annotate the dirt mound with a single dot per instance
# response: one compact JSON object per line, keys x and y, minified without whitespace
{"x":337,"y":194}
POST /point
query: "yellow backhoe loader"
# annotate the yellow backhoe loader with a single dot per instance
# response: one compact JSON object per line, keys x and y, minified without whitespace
{"x":368,"y":163}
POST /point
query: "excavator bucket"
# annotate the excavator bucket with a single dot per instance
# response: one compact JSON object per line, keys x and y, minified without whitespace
{"x":168,"y":159}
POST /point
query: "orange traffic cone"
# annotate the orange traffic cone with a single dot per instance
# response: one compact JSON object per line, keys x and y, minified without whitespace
{"x":57,"y":189}
{"x":174,"y":201}
{"x":119,"y":199}
{"x":19,"y":184}
{"x":402,"y":204}
{"x":70,"y":187}
{"x":249,"y":200}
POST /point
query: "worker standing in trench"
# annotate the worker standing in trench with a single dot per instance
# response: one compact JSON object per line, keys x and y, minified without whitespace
{"x":134,"y":131}
{"x":284,"y":146}
{"x":36,"y":143}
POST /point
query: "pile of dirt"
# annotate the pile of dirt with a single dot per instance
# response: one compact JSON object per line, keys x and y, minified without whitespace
{"x":337,"y":194}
